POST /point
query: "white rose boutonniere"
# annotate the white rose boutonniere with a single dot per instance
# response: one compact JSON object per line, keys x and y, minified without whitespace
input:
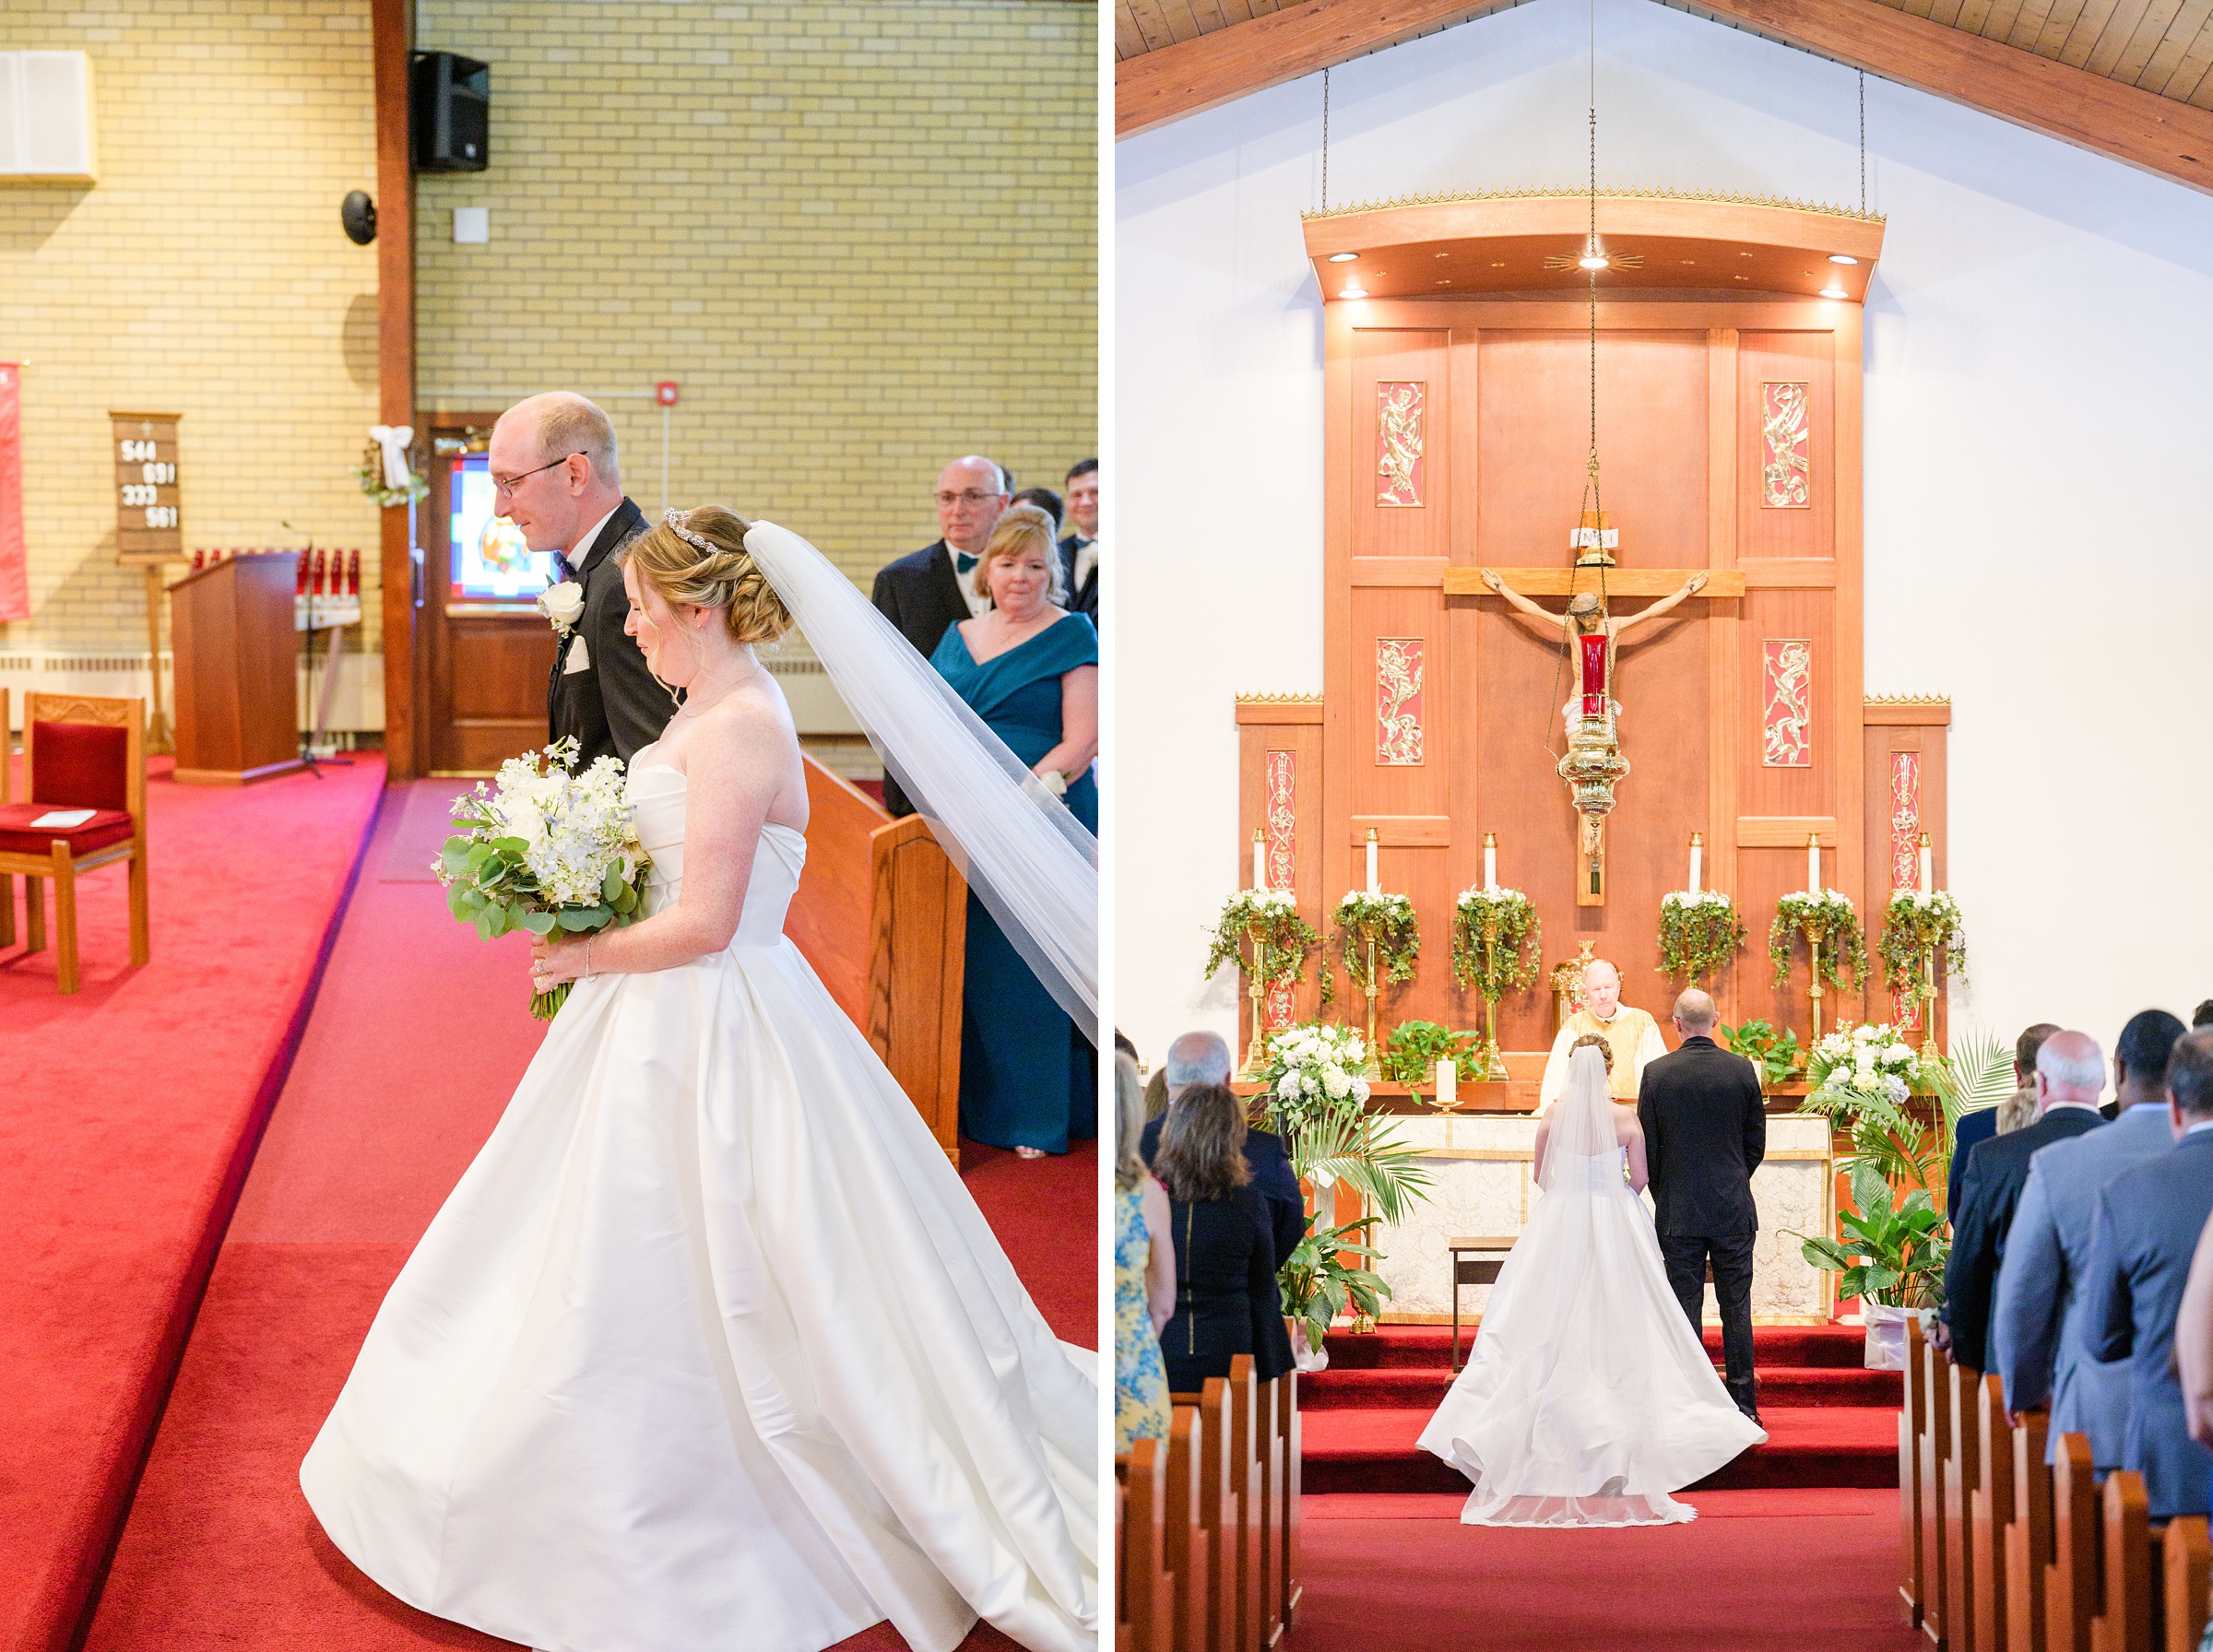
{"x":563,"y":604}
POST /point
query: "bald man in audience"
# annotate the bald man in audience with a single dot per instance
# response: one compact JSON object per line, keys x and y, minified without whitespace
{"x":2070,"y":1076}
{"x":1203,"y":1058}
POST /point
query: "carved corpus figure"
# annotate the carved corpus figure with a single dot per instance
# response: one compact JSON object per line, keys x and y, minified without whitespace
{"x":1592,"y":634}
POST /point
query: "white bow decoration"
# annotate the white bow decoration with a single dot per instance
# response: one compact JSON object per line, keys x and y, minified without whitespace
{"x":394,"y":439}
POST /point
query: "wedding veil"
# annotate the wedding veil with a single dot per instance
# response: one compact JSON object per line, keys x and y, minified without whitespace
{"x":1581,"y":1126}
{"x":1031,"y":862}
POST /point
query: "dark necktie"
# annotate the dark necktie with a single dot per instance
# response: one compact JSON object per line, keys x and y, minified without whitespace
{"x":561,"y":567}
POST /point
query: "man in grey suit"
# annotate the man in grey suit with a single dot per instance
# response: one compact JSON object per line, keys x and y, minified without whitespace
{"x":2142,"y":1239}
{"x":2036,"y":1334}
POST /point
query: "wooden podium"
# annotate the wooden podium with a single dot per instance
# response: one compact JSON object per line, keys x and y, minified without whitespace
{"x":230,"y":626}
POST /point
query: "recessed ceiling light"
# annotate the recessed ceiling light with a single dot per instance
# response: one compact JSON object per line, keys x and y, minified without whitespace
{"x":1842,"y":258}
{"x":1343,"y":257}
{"x":1352,"y":289}
{"x":1444,"y":255}
{"x":1591,"y":261}
{"x":1834,"y":293}
{"x":1497,"y":266}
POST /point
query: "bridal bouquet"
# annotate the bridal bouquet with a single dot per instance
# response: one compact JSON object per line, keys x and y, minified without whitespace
{"x":545,"y":849}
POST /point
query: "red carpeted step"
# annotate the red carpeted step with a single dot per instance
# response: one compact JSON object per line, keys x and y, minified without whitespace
{"x":1794,"y":1345}
{"x":1375,"y":1450}
{"x":1423,"y":1386}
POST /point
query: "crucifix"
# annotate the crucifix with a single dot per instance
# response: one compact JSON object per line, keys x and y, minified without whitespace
{"x":1592,"y":636}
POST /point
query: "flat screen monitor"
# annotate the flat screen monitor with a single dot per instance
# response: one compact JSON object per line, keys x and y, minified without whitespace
{"x":488,"y":559}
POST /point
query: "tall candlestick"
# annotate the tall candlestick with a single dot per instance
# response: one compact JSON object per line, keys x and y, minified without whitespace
{"x":1447,"y":1083}
{"x":1490,"y":860}
{"x":1374,"y":888}
{"x":1928,"y":866}
{"x":1813,"y":863}
{"x":1698,"y":854}
{"x":1259,"y":859}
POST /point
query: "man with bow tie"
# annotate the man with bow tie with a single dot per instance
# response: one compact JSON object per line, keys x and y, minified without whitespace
{"x":1080,"y":550}
{"x":926,"y":592}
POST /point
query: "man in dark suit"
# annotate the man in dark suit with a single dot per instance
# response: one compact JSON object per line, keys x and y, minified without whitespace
{"x":1979,"y":1126}
{"x":1080,"y":550}
{"x":554,"y":476}
{"x":2142,"y":1238}
{"x":2070,"y":1074}
{"x":928,"y":592}
{"x":1705,"y":1132}
{"x":1199,"y":1058}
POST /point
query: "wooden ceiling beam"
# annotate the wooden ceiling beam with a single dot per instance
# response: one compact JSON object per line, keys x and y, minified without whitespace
{"x":2124,"y":123}
{"x":2161,"y":135}
{"x":1192,"y":75}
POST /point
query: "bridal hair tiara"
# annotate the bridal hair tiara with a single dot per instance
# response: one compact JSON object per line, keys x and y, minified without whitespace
{"x":698,"y":542}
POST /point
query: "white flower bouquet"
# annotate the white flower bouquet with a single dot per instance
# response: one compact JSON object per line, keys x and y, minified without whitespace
{"x":1700,"y":931}
{"x":1268,"y":920}
{"x":545,"y":849}
{"x":1314,"y":1068}
{"x":1826,"y":916}
{"x":1864,"y":1061}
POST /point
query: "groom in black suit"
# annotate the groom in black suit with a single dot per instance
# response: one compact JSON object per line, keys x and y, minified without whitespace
{"x":553,"y":462}
{"x":928,"y":592}
{"x":1705,"y":1133}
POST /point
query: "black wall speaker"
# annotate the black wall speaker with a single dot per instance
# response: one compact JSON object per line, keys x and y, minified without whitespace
{"x":452,"y":113}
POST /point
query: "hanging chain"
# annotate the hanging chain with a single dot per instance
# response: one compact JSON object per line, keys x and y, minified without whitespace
{"x":1862,"y":142}
{"x":1325,"y":142}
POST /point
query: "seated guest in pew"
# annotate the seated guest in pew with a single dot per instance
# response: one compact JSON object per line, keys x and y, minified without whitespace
{"x":2194,"y":1339}
{"x":1202,"y":1059}
{"x":2142,"y":1240}
{"x":2010,"y":1114}
{"x":1226,"y":1298}
{"x":2036,"y":1338}
{"x":2202,"y":1016}
{"x":1145,"y":1274}
{"x":2070,"y":1072}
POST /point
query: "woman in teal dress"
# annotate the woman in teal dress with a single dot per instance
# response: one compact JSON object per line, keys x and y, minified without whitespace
{"x":1031,"y":670}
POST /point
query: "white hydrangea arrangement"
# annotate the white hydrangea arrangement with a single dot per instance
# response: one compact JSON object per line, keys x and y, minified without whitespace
{"x":1864,"y":1061}
{"x":1700,"y":931}
{"x":1314,"y":1068}
{"x":544,"y":848}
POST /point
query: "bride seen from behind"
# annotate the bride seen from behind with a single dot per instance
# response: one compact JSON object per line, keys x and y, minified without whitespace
{"x":1587,"y":1398}
{"x":710,"y":1346}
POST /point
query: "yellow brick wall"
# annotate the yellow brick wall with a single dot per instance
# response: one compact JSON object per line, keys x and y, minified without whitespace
{"x":860,"y":235}
{"x":205,"y":274}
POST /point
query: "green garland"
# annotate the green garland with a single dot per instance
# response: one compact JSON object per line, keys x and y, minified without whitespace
{"x":1517,"y":935}
{"x":1268,"y":917}
{"x":1388,"y":921}
{"x":1829,"y":914}
{"x":1699,"y":933}
{"x":1913,"y":922}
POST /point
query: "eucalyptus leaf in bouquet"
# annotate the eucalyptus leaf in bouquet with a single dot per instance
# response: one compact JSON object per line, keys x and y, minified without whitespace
{"x":542,"y":849}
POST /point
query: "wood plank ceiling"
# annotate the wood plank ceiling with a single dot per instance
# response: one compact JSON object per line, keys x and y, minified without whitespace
{"x":2159,"y":46}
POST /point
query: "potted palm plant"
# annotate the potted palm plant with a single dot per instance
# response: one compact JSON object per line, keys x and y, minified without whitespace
{"x":1890,"y":1255}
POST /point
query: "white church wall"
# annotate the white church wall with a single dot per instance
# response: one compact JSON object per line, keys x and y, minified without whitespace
{"x":2038,"y":336}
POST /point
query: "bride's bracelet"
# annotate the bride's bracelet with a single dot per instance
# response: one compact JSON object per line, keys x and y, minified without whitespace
{"x":587,"y":957}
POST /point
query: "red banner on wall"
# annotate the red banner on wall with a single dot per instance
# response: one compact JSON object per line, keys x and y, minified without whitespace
{"x":14,"y":573}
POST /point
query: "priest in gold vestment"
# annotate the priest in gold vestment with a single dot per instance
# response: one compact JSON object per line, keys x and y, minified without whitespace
{"x":1632,"y":1034}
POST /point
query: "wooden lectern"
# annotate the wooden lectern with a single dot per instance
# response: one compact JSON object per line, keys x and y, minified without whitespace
{"x":230,"y":626}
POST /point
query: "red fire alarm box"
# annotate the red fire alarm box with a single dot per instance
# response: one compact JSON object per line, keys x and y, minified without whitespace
{"x":665,"y":393}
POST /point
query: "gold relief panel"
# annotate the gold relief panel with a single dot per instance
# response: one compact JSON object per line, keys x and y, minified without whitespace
{"x":1399,"y":439}
{"x":1399,"y":667}
{"x":1788,"y":703}
{"x":1280,"y":821}
{"x":1786,"y":448}
{"x":1905,"y":857}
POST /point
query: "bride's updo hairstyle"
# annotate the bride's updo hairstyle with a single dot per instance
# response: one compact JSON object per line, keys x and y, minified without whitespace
{"x":697,"y":559}
{"x":1593,"y":1040}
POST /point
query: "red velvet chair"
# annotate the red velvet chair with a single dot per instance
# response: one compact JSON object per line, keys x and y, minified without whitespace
{"x":79,"y":751}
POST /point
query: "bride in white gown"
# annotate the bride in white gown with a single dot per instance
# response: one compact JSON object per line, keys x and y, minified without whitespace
{"x":710,"y":1348}
{"x":1587,"y":1397}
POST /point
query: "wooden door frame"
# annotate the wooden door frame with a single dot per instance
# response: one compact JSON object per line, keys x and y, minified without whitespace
{"x":389,"y":44}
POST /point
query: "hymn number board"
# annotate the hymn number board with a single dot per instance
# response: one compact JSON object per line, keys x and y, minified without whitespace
{"x":145,"y":446}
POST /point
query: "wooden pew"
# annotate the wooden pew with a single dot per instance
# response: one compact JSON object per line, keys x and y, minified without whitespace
{"x":1962,"y":1479}
{"x":2071,"y":1583}
{"x":1935,"y":1458}
{"x":2186,"y":1559}
{"x":1912,"y":1425}
{"x":882,"y":917}
{"x":2123,"y":1620}
{"x":1992,"y":1512}
{"x":1248,"y":1578}
{"x":1146,"y":1597}
{"x":1288,"y":1427}
{"x":1187,"y":1545}
{"x":1123,"y":1641}
{"x":2028,"y":1537}
{"x":1221,"y":1513}
{"x":1267,"y":1452}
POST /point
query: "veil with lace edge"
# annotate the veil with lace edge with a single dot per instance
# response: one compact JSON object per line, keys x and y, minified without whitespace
{"x":1029,"y":860}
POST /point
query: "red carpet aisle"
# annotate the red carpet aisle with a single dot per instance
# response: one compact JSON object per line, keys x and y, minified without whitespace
{"x":128,"y":1117}
{"x":1802,"y":1571}
{"x":1795,"y":1548}
{"x":417,"y":1040}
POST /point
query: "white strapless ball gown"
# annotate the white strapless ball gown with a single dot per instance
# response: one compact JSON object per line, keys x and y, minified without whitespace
{"x":1587,"y":1397}
{"x":710,"y":1348}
